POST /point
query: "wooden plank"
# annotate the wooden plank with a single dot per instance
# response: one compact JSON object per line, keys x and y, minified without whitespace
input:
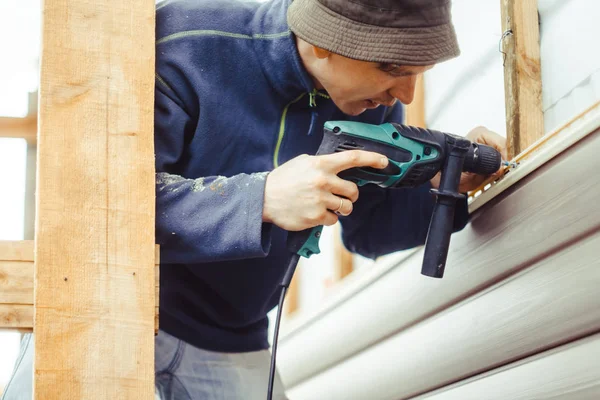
{"x":292,"y":294}
{"x":343,"y":259}
{"x":564,"y":373}
{"x":16,"y":284}
{"x":537,"y":215}
{"x":16,"y":250}
{"x":16,"y":316}
{"x":94,"y":244}
{"x":16,"y":301}
{"x":415,"y":111}
{"x":522,"y":74}
{"x":24,"y":128}
{"x":554,"y":302}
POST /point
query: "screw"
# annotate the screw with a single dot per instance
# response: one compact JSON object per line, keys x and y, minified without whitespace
{"x":427,"y":151}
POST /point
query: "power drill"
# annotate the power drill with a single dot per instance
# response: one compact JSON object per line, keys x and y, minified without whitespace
{"x":415,"y":156}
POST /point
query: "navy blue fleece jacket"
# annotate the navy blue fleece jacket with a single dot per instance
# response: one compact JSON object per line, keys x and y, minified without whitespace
{"x":232,"y":103}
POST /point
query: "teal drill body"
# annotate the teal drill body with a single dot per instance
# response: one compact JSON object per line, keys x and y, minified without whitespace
{"x":415,"y":156}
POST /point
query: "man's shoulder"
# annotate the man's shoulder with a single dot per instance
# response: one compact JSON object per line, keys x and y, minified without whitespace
{"x":180,"y":17}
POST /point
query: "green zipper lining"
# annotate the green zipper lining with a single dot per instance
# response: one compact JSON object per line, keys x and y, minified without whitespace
{"x":312,"y":103}
{"x":282,"y":129}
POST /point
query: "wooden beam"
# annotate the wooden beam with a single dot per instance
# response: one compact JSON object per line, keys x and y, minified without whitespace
{"x":292,"y":295}
{"x":415,"y":111}
{"x":24,"y":128}
{"x":94,"y":240}
{"x":522,"y":74}
{"x":343,"y":259}
{"x":16,"y":285}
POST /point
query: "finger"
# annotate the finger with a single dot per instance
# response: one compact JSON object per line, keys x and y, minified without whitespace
{"x":330,"y":219}
{"x":471,"y":183}
{"x":344,"y":188}
{"x":339,"y":205}
{"x":344,"y":160}
{"x":494,"y":140}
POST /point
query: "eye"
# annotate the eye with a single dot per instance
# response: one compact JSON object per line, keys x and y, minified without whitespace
{"x":394,"y":70}
{"x":385,"y":67}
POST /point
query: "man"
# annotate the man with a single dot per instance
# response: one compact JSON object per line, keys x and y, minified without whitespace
{"x":242,"y":93}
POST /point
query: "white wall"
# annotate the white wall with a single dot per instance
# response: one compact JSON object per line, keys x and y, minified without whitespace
{"x":468,"y":91}
{"x":570,"y":30}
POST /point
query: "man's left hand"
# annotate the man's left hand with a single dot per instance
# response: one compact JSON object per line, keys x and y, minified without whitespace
{"x":470,"y":181}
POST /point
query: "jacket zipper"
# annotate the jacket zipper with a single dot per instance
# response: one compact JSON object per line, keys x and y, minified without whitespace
{"x":312,"y":103}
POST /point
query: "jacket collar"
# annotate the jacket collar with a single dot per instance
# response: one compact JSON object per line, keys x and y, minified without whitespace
{"x":278,"y":55}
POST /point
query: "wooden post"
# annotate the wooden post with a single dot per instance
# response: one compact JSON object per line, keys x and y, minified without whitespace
{"x":16,"y":285}
{"x":522,"y":74}
{"x":292,"y":295}
{"x":344,"y":260}
{"x":94,"y":241}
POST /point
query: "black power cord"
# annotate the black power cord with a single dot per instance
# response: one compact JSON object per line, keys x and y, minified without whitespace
{"x":285,"y":284}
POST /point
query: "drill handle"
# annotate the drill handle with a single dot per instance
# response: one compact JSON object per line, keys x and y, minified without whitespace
{"x":438,"y":237}
{"x":442,"y":220}
{"x":301,"y":244}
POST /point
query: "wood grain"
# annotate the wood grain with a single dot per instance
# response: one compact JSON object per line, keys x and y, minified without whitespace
{"x":17,"y":250}
{"x":94,"y":266}
{"x":16,"y":284}
{"x":16,"y":316}
{"x":343,"y":259}
{"x":24,"y":128}
{"x":522,"y":74}
{"x":291,"y":296}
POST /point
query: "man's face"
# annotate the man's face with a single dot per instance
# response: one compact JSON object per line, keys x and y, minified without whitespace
{"x":355,"y":86}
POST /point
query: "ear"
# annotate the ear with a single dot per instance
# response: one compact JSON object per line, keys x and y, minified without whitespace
{"x":320,"y":53}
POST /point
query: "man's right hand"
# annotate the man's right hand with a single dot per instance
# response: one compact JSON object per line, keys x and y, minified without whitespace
{"x":306,"y":191}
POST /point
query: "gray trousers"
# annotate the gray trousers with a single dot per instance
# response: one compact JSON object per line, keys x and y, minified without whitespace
{"x":182,"y":372}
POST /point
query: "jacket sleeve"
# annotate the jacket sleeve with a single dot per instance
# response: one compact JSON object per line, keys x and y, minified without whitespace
{"x":211,"y":218}
{"x":387,"y":220}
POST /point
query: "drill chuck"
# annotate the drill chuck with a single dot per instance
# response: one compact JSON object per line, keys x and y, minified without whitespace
{"x":482,"y":159}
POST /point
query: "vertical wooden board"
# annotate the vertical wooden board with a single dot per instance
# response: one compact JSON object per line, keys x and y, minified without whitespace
{"x":94,"y":267}
{"x":291,"y":296}
{"x":522,"y":74}
{"x":343,"y":259}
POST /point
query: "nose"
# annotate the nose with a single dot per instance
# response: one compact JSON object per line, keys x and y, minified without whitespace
{"x":404,"y":89}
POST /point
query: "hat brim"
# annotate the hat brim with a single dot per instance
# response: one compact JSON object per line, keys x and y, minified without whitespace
{"x":320,"y":26}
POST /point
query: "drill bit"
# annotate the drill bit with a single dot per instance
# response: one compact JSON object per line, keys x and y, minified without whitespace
{"x":510,"y":164}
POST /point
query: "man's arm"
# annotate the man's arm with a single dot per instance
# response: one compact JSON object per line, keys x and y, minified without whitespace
{"x":205,"y":219}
